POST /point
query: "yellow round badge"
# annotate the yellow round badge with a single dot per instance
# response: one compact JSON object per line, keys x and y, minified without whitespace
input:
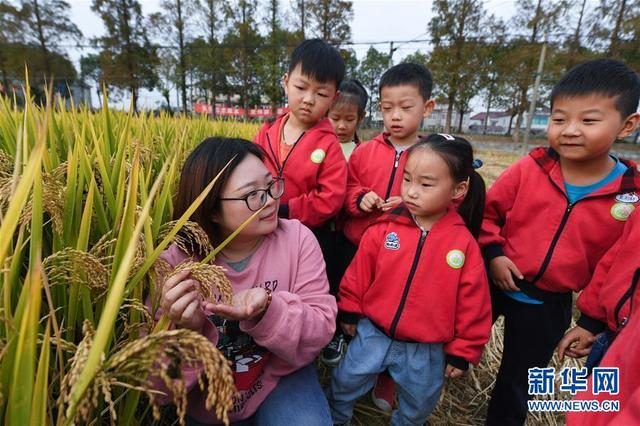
{"x":455,"y":259}
{"x":318,"y":155}
{"x":621,"y":211}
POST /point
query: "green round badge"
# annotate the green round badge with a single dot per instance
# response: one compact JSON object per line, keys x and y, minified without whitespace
{"x":455,"y":259}
{"x":318,"y":155}
{"x":621,"y":211}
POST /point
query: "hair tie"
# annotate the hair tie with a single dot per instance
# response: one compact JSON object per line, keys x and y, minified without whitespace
{"x":477,"y":163}
{"x":447,"y":136}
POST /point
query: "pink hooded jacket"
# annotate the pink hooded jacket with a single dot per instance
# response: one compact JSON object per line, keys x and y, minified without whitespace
{"x":299,"y":322}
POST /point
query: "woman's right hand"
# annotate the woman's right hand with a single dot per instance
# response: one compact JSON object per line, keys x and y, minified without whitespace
{"x":502,"y":270}
{"x":181,"y":301}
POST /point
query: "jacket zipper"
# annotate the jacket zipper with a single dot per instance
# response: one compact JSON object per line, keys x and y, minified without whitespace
{"x":275,"y":158}
{"x":626,"y":296}
{"x":393,"y":175}
{"x":407,"y":286}
{"x":554,"y":242}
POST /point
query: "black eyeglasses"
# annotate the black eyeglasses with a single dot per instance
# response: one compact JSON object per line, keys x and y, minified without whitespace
{"x":256,"y":199}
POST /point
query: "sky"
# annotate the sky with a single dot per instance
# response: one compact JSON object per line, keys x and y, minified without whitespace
{"x":374,"y":21}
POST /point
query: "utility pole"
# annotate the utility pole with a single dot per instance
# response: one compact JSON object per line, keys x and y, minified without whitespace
{"x":391,"y":50}
{"x":532,"y":107}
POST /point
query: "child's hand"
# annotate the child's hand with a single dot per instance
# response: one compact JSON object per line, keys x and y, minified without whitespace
{"x":391,"y":203}
{"x":576,"y":343}
{"x":349,"y":329}
{"x":370,"y":201}
{"x":502,"y":270}
{"x":453,"y":373}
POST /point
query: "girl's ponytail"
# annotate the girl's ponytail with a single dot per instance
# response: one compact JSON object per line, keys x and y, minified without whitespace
{"x":472,"y":207}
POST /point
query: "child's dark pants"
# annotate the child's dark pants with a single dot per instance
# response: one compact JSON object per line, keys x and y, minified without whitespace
{"x":531,"y":334}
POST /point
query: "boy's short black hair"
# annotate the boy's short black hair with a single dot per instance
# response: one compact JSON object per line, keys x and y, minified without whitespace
{"x":605,"y":77}
{"x":409,"y":74}
{"x":318,"y":60}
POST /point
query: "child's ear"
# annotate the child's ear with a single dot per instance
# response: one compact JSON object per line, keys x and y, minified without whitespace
{"x":428,"y":107}
{"x":285,"y":82}
{"x":460,"y":191}
{"x":630,"y":124}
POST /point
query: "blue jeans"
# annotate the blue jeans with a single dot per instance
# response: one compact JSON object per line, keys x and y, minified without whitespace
{"x":417,"y":369}
{"x":297,"y":400}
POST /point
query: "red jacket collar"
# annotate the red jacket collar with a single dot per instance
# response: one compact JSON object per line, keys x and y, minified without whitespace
{"x":548,"y":160}
{"x":402,"y":215}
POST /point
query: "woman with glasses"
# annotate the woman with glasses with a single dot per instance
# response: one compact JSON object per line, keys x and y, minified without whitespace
{"x":282,"y":314}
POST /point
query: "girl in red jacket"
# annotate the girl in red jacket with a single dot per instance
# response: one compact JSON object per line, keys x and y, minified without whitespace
{"x":416,"y":296}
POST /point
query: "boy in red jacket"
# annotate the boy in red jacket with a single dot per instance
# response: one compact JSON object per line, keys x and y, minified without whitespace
{"x":375,"y":167}
{"x":623,"y":355}
{"x":551,"y":216}
{"x":606,"y":303}
{"x":301,"y":145}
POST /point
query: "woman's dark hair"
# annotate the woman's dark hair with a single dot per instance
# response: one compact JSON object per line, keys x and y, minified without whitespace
{"x":200,"y":168}
{"x":457,"y":153}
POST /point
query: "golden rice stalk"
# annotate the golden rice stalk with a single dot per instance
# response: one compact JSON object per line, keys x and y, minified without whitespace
{"x":191,"y":238}
{"x":52,"y":197}
{"x":71,"y":266}
{"x":212,"y":278}
{"x":98,"y":386}
{"x":165,"y":353}
{"x":6,"y":164}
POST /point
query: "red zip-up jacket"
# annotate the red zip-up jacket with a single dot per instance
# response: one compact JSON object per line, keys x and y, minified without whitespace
{"x":556,"y":245}
{"x":624,"y":355}
{"x":421,"y":286}
{"x":612,"y":293}
{"x":373,"y":166}
{"x":315,"y":172}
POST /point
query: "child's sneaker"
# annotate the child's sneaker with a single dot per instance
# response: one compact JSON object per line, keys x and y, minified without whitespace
{"x":384,"y":393}
{"x":332,"y":354}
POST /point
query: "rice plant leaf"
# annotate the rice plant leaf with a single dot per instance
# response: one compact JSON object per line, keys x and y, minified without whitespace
{"x":18,"y":201}
{"x":41,"y":387}
{"x":114,"y":298}
{"x":20,"y":397}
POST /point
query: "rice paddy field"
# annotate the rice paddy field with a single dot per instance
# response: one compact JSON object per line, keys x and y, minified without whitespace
{"x":85,"y":210}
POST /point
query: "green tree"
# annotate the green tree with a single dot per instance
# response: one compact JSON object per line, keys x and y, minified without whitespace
{"x":243,"y":37}
{"x":369,"y":73}
{"x":454,"y":28}
{"x":301,"y":14}
{"x":351,"y":62}
{"x":331,"y":20}
{"x":274,"y":55}
{"x":47,"y":24}
{"x":91,"y":72}
{"x":10,"y":34}
{"x":615,"y":29}
{"x":127,"y":58}
{"x":174,"y":24}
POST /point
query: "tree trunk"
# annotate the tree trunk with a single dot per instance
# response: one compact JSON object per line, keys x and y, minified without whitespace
{"x":510,"y":123}
{"x":182,"y":60}
{"x":574,"y":46}
{"x":42,"y":40}
{"x":486,"y":117}
{"x":615,"y":35}
{"x":213,"y":52}
{"x":460,"y":119}
{"x":447,"y":124}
